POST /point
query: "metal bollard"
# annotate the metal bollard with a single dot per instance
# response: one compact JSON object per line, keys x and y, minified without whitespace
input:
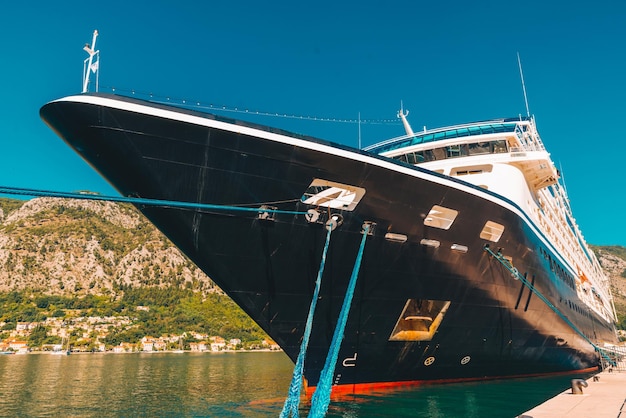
{"x":578,"y":385}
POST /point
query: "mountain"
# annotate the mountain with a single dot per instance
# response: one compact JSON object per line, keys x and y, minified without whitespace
{"x":613,"y":261}
{"x":78,"y":247}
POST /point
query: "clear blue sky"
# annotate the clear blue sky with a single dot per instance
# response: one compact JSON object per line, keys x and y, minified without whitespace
{"x":448,"y":61}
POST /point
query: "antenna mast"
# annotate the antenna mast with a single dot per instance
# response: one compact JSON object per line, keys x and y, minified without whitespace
{"x":519,"y":63}
{"x":359,"y":130}
{"x":89,"y":65}
{"x":402,"y":115}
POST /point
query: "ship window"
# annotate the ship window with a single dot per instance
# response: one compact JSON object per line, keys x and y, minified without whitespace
{"x":415,"y":157}
{"x":460,"y":248}
{"x":477,"y":169}
{"x":479,"y":148}
{"x":492,"y":231}
{"x":455,"y":151}
{"x":419,"y":320}
{"x":427,"y":155}
{"x":438,"y":154}
{"x":440,"y":217}
{"x":421,"y":156}
{"x":332,"y":195}
{"x":430,"y":243}
{"x":401,"y":158}
{"x":391,"y":236}
{"x":499,"y":146}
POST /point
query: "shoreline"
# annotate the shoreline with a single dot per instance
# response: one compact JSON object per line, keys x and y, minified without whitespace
{"x":145,"y":352}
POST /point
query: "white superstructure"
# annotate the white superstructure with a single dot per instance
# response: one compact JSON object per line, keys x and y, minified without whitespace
{"x":507,"y":157}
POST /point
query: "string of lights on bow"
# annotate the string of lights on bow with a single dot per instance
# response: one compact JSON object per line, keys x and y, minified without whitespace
{"x":198,"y":105}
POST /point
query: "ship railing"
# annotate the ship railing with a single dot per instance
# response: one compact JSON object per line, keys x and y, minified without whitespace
{"x":565,"y":242}
{"x":529,"y":137}
{"x":554,"y":219}
{"x":613,"y":358}
{"x":521,"y":130}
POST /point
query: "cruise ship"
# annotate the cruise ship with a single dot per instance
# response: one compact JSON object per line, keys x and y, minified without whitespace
{"x":473,"y":267}
{"x":439,"y":256}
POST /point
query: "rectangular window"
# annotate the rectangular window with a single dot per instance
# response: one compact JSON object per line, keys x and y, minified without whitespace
{"x":459,"y":248}
{"x":475,"y":169}
{"x":499,"y":146}
{"x":440,"y":217}
{"x":492,"y":231}
{"x":391,"y":236}
{"x":430,"y":243}
{"x":453,"y":151}
{"x":479,"y":148}
{"x":333,"y":195}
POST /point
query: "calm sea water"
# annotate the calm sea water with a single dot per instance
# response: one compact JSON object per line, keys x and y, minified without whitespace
{"x":226,"y":385}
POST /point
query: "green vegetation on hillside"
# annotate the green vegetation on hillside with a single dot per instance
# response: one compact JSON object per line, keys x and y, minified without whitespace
{"x":172,"y":311}
{"x":9,"y":205}
{"x":616,"y":250}
{"x":60,"y":222}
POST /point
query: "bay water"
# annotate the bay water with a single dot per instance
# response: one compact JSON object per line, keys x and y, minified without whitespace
{"x":242,"y":384}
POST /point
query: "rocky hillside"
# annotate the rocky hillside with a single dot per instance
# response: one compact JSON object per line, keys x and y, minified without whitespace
{"x":613,"y":260}
{"x":74,"y":247}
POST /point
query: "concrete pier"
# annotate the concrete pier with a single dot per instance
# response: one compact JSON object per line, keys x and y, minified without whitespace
{"x":604,"y":397}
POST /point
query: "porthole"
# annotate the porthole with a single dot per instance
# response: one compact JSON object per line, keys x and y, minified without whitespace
{"x":465,"y":360}
{"x":430,"y":360}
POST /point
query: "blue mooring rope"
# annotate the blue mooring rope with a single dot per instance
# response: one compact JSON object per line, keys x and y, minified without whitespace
{"x":556,"y":310}
{"x":293,"y":400}
{"x":139,"y":201}
{"x":321,"y":397}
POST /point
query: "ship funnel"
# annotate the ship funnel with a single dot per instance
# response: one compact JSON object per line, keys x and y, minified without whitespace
{"x":402,"y":115}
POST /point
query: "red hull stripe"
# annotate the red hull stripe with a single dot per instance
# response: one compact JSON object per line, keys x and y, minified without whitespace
{"x":364,"y":388}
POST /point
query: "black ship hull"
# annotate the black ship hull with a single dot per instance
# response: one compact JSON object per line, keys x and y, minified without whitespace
{"x":491,"y":325}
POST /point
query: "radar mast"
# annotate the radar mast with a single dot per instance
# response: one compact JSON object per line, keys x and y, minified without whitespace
{"x":90,"y":65}
{"x":402,"y":115}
